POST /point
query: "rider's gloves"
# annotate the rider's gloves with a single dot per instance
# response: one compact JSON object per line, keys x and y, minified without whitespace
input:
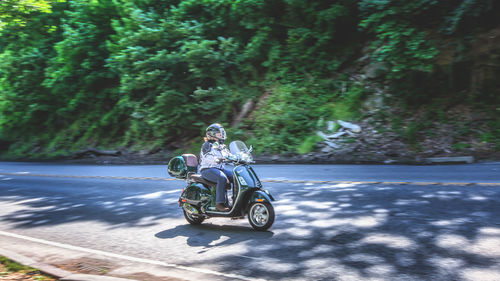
{"x":232,"y":158}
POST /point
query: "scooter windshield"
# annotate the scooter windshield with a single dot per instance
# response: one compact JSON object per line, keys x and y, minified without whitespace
{"x":238,"y":147}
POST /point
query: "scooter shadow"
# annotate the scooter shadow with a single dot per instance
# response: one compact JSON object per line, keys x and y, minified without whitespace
{"x":207,"y":235}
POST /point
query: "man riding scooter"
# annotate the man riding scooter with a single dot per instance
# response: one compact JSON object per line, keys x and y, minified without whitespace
{"x":212,"y":169}
{"x":202,"y":194}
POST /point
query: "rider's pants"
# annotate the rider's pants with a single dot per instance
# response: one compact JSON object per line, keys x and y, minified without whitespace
{"x":221,"y":177}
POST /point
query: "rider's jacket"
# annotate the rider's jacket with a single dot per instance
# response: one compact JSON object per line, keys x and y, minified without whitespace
{"x":211,"y":151}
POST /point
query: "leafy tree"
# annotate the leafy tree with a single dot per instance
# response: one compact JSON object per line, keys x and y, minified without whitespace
{"x":172,"y":75}
{"x":17,"y":12}
{"x":155,"y":73}
{"x":26,"y":106}
{"x":400,"y":42}
{"x":320,"y":35}
{"x":78,"y":78}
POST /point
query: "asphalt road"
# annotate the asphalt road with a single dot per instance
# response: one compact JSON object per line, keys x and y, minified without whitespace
{"x":447,"y":230}
{"x":484,"y":172}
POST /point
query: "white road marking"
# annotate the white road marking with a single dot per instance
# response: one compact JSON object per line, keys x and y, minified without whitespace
{"x":129,"y":258}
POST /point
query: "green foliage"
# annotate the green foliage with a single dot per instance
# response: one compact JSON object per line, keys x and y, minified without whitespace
{"x":82,"y":87}
{"x":23,"y":102}
{"x":171,"y":75}
{"x":488,"y":137}
{"x":156,"y":73}
{"x":292,"y":113}
{"x":12,"y":266}
{"x":348,"y":106}
{"x":397,"y":125}
{"x":460,"y":146}
{"x":412,"y":133}
{"x":308,"y":144}
{"x":409,"y":36}
{"x":17,"y":12}
{"x":470,"y":13}
{"x":319,"y":36}
{"x":493,"y":136}
{"x":400,"y":44}
{"x":349,"y":140}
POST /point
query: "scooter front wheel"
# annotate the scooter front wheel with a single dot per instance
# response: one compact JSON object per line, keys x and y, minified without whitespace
{"x":261,"y":215}
{"x":192,"y":219}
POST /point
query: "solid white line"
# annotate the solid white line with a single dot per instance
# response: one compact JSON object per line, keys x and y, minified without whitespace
{"x":129,"y":258}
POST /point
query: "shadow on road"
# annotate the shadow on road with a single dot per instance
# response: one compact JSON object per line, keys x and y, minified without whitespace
{"x":376,"y":232}
{"x":52,"y":201}
{"x":207,"y":235}
{"x":321,"y":232}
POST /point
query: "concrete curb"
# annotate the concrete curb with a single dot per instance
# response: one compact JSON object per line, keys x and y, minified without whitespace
{"x":58,"y":273}
{"x":450,"y":160}
{"x":88,"y":277}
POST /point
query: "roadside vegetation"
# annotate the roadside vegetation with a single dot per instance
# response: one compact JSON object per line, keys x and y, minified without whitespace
{"x":151,"y":75}
{"x":10,"y":270}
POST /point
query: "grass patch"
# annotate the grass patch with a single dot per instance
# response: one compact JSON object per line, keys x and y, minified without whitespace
{"x":349,"y":105}
{"x":397,"y":125}
{"x":460,"y":146}
{"x":12,"y":266}
{"x":10,"y":270}
{"x":412,"y":131}
{"x":349,"y":140}
{"x":308,"y":144}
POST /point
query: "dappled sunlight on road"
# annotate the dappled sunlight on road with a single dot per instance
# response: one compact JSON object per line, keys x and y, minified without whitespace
{"x":395,"y":232}
{"x":389,"y":240}
{"x":348,"y":231}
{"x":155,"y":195}
{"x":315,"y":204}
{"x":487,"y":242}
{"x":363,"y":221}
{"x":127,"y":207}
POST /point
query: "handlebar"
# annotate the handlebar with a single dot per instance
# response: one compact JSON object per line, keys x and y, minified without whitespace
{"x":234,"y":159}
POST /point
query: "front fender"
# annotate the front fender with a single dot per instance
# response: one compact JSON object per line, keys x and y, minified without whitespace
{"x":261,"y":196}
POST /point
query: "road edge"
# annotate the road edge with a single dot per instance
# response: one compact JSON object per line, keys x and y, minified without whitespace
{"x":56,"y":272}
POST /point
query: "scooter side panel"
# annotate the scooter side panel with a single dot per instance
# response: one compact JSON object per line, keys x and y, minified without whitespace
{"x":246,"y":177}
{"x":195,"y":193}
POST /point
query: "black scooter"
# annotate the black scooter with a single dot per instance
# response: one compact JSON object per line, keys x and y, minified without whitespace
{"x":248,"y":198}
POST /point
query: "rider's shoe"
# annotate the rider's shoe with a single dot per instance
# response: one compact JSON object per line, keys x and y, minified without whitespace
{"x":221,"y":208}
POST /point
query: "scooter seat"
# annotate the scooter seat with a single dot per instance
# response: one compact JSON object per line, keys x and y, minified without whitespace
{"x":200,"y":179}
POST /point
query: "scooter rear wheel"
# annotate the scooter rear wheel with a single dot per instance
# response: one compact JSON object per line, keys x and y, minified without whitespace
{"x":261,"y":215}
{"x":192,"y":219}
